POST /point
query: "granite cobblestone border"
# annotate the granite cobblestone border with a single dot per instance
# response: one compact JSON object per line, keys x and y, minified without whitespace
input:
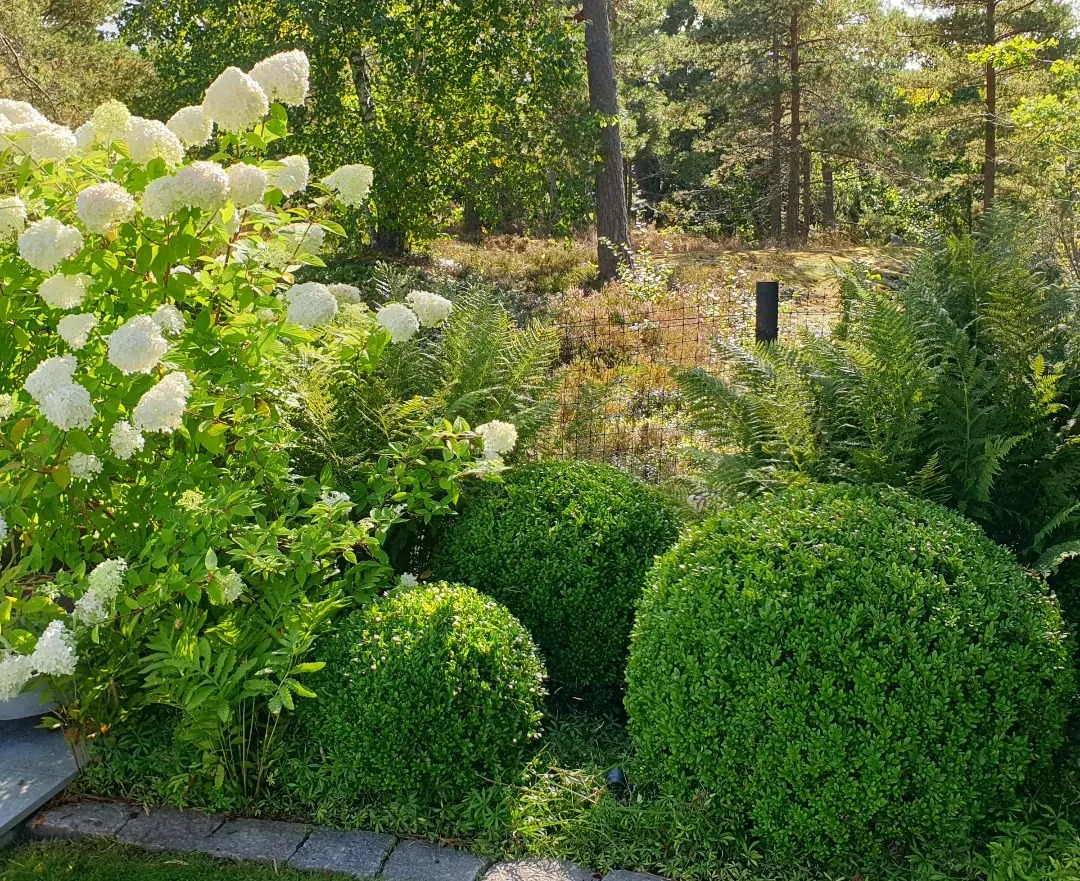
{"x":366,"y":855}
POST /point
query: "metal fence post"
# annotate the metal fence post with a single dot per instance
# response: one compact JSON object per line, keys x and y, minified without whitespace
{"x":767,"y":325}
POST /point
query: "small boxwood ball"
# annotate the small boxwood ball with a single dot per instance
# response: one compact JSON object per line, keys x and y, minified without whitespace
{"x":846,"y":670}
{"x":428,"y":692}
{"x":565,"y":545}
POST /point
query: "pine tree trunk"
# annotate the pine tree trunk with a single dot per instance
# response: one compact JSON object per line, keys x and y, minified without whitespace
{"x":776,"y":163}
{"x":990,"y":148}
{"x":795,"y":143}
{"x":807,"y":193}
{"x":828,"y":203}
{"x":612,"y":219}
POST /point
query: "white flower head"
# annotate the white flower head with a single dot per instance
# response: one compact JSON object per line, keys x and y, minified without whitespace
{"x":351,"y":183}
{"x":232,"y":585}
{"x":102,"y":207}
{"x":15,"y":672}
{"x":3,"y":529}
{"x":137,"y":345}
{"x":235,"y":101}
{"x":52,"y":143}
{"x":191,"y":125}
{"x":310,"y":304}
{"x":160,"y":198}
{"x":169,"y":319}
{"x":85,"y":136}
{"x":75,"y":329}
{"x":346,"y":293}
{"x":430,"y":308}
{"x":19,"y":112}
{"x":407,"y":579}
{"x":69,"y":407}
{"x":84,"y":466}
{"x":499,"y":437}
{"x":247,"y":184}
{"x":12,"y":217}
{"x":332,"y":498}
{"x":284,"y":77}
{"x":161,"y":409}
{"x":151,"y":139}
{"x":47,"y":242}
{"x":202,"y":185}
{"x":7,"y":407}
{"x":304,"y":238}
{"x":64,"y":291}
{"x":54,"y":654}
{"x":292,"y":176}
{"x":125,"y":440}
{"x":111,"y":121}
{"x":51,"y":374}
{"x":103,"y":585}
{"x":399,"y":320}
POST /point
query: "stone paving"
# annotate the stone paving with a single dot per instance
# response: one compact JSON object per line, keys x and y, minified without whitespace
{"x":350,"y":854}
{"x":34,"y":766}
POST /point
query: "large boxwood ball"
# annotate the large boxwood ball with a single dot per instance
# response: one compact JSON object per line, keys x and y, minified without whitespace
{"x":429,"y":691}
{"x":565,"y":545}
{"x":846,"y":670}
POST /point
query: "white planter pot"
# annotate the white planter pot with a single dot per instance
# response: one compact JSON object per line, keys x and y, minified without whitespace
{"x":31,"y":703}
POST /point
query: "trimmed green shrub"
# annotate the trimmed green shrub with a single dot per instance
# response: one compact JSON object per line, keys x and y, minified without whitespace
{"x":846,"y":669}
{"x":428,"y":691}
{"x":566,"y":546}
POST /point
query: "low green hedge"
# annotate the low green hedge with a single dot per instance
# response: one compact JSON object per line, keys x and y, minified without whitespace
{"x":427,"y":693}
{"x":565,"y":545}
{"x":846,"y":669}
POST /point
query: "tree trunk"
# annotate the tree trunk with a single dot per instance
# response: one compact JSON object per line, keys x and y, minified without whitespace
{"x":776,"y":164}
{"x":990,"y":148}
{"x":807,"y":193}
{"x":795,"y":144}
{"x":389,"y":239}
{"x":471,"y":228}
{"x":828,"y":203}
{"x":612,"y":219}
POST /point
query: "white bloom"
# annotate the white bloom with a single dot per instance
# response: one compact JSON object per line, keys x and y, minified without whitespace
{"x":52,"y":143}
{"x":151,"y":139}
{"x":168,"y":318}
{"x":19,"y":112}
{"x":499,"y":437}
{"x":85,"y":136}
{"x":111,"y":121}
{"x":407,"y":579}
{"x":310,"y":304}
{"x":12,"y":217}
{"x":103,"y":585}
{"x":247,"y":184}
{"x":284,"y":77}
{"x":332,"y":498}
{"x":202,"y":185}
{"x":3,"y":529}
{"x":75,"y":329}
{"x":102,"y":207}
{"x":69,"y":407}
{"x":15,"y":671}
{"x":54,"y":654}
{"x":235,"y":101}
{"x":191,"y":125}
{"x":352,"y":183}
{"x":162,"y":407}
{"x":232,"y":585}
{"x":126,"y":440}
{"x":304,"y":238}
{"x":47,"y":242}
{"x":292,"y":177}
{"x":51,"y":374}
{"x":266,"y":315}
{"x":7,"y":407}
{"x":137,"y":345}
{"x":346,"y":293}
{"x":430,"y":308}
{"x":160,"y":198}
{"x":64,"y":291}
{"x":399,"y":320}
{"x":84,"y":466}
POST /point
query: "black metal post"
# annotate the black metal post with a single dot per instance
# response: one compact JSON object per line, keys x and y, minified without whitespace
{"x":767,"y":328}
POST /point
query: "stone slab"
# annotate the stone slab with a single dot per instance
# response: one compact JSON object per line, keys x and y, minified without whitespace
{"x":85,"y":819}
{"x":165,"y":829}
{"x":355,"y":854}
{"x":259,"y":841}
{"x":538,"y":870}
{"x":623,"y":875}
{"x":25,"y":747}
{"x":424,"y":861}
{"x":22,"y":793}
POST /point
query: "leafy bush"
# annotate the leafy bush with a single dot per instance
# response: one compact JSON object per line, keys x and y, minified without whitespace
{"x":431,"y":689}
{"x":566,"y":546}
{"x":846,"y":668}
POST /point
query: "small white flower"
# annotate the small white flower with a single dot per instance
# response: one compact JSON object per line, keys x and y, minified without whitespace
{"x":351,"y":183}
{"x":346,"y":293}
{"x":151,"y":139}
{"x":162,"y":408}
{"x":137,"y":345}
{"x":232,"y":585}
{"x":52,"y":143}
{"x":47,"y":242}
{"x":247,"y":184}
{"x":499,"y":437}
{"x":12,"y":217}
{"x":15,"y":672}
{"x":75,"y":329}
{"x":54,"y":654}
{"x":125,"y":440}
{"x":84,"y":466}
{"x":69,"y":407}
{"x":304,"y":238}
{"x":235,"y":101}
{"x":407,"y":579}
{"x":160,"y":198}
{"x":292,"y":176}
{"x":430,"y":308}
{"x":191,"y":125}
{"x":310,"y":304}
{"x":102,"y":207}
{"x":332,"y":498}
{"x":7,"y":406}
{"x":399,"y":320}
{"x":169,"y":319}
{"x":64,"y":291}
{"x":284,"y":77}
{"x":111,"y":121}
{"x":202,"y":185}
{"x":51,"y":374}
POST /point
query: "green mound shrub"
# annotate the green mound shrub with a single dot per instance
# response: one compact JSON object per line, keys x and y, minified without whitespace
{"x":565,"y":545}
{"x":846,"y":670}
{"x":427,"y":692}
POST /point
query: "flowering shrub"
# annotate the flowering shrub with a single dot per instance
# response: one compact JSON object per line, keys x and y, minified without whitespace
{"x":155,"y":545}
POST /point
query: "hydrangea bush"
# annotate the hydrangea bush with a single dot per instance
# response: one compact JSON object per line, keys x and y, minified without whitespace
{"x":155,"y":546}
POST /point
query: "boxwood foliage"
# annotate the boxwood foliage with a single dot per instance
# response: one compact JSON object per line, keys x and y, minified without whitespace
{"x":427,"y":692}
{"x":566,"y":546}
{"x":846,"y":670}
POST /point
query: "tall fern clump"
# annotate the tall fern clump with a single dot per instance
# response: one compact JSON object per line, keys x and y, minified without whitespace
{"x":960,"y":387}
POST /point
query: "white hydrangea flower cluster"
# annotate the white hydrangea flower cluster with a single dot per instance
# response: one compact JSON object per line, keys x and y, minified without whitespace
{"x":50,"y":375}
{"x":161,"y":409}
{"x":202,"y":185}
{"x":284,"y":77}
{"x":350,"y":183}
{"x":407,"y":579}
{"x":3,"y":529}
{"x":191,"y":125}
{"x":51,"y":143}
{"x":305,"y":238}
{"x":47,"y":242}
{"x":346,"y":293}
{"x":84,"y":466}
{"x":160,"y":198}
{"x":75,"y":330}
{"x":232,"y":585}
{"x":430,"y":308}
{"x":12,"y":217}
{"x":399,"y":320}
{"x":54,"y":654}
{"x":15,"y":671}
{"x":103,"y":585}
{"x":292,"y":175}
{"x":151,"y":139}
{"x":235,"y":101}
{"x":64,"y":292}
{"x":137,"y":345}
{"x":332,"y":498}
{"x":499,"y":437}
{"x":247,"y":184}
{"x":169,"y":319}
{"x":110,"y":121}
{"x":7,"y":405}
{"x":310,"y":304}
{"x":19,"y":112}
{"x":65,"y":403}
{"x":126,"y":440}
{"x":102,"y":207}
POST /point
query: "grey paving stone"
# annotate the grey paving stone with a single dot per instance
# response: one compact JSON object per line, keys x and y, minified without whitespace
{"x":86,"y":819}
{"x":623,"y":875}
{"x":23,"y":792}
{"x":424,"y":861}
{"x":261,"y":841}
{"x":168,"y":829}
{"x":25,"y":747}
{"x":538,"y":870}
{"x":356,"y":854}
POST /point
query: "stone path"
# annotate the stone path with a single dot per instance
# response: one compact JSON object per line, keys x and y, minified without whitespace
{"x":352,"y":854}
{"x":35,"y":765}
